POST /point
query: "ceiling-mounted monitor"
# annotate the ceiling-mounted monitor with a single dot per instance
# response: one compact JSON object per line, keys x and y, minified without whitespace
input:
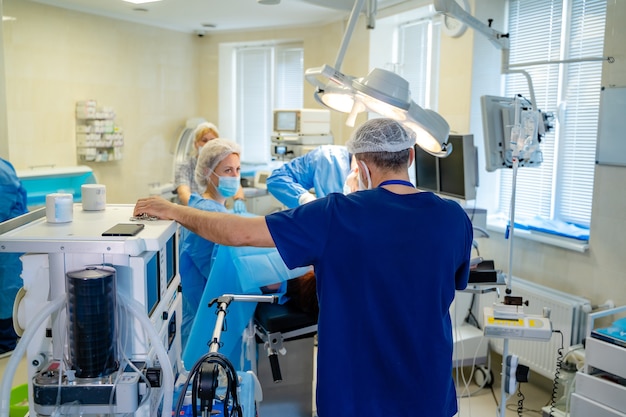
{"x":499,"y":117}
{"x":454,"y":176}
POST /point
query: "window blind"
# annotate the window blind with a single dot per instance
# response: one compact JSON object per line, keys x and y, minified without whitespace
{"x":561,"y":187}
{"x":418,"y":53}
{"x":289,"y":78}
{"x":253,"y":102}
{"x":267,"y":77}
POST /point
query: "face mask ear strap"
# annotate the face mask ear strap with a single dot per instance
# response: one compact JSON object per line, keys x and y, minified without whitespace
{"x":208,"y":177}
{"x":363,"y":168}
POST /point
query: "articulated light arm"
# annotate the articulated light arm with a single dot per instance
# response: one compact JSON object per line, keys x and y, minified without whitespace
{"x":498,"y":39}
{"x":320,"y":76}
{"x":452,"y":9}
{"x":381,"y":91}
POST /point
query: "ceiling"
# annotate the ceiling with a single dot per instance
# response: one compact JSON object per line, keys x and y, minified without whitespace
{"x":217,"y":15}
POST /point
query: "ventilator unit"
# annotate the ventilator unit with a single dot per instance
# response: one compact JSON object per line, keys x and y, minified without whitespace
{"x":99,"y":315}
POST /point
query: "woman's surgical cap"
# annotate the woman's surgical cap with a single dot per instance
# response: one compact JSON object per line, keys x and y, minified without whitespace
{"x":211,"y":155}
{"x":204,"y":126}
{"x":380,"y":135}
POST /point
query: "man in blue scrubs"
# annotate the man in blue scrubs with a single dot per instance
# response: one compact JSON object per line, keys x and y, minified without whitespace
{"x":388,"y":260}
{"x":324,"y":169}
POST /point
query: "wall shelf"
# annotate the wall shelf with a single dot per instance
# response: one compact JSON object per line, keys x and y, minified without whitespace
{"x":98,"y":137}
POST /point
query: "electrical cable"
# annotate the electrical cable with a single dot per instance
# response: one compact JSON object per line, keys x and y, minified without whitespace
{"x":520,"y":402}
{"x":167,"y":387}
{"x":64,"y":361}
{"x":471,"y":318}
{"x":513,"y":407}
{"x":557,"y":373}
{"x":231,"y":388}
{"x":20,"y":349}
{"x":122,"y":341}
{"x":495,"y":398}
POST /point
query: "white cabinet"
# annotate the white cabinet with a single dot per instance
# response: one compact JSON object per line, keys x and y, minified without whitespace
{"x":601,"y":388}
{"x":98,"y":137}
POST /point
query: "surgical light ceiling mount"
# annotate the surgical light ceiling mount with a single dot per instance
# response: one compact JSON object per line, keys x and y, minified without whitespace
{"x":381,"y":91}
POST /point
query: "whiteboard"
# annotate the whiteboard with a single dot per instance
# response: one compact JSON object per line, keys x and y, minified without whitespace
{"x":611,"y":147}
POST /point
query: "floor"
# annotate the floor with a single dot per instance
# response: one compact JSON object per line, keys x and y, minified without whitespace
{"x":292,"y":397}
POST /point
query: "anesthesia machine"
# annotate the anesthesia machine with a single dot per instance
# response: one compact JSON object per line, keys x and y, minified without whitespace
{"x":99,"y":313}
{"x":297,"y":132}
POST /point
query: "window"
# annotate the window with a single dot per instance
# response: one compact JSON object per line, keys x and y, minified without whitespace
{"x":561,"y":188}
{"x":419,"y":59}
{"x":267,"y":78}
{"x":414,"y":53}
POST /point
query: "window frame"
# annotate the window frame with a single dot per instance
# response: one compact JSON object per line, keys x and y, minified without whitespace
{"x":389,"y":31}
{"x":249,"y":121}
{"x":559,"y":166}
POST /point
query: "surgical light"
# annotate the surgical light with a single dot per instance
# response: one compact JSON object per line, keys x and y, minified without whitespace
{"x":384,"y":89}
{"x":382,"y":92}
{"x":431,"y":130}
{"x":336,"y":98}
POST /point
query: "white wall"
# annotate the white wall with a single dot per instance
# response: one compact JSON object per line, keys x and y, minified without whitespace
{"x":4,"y":133}
{"x":55,"y":57}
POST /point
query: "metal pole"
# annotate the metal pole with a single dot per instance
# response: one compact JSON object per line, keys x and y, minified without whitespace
{"x":354,"y":16}
{"x":224,"y":301}
{"x":562,"y":61}
{"x":505,"y":353}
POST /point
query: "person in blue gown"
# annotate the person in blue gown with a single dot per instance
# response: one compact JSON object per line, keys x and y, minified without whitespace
{"x":12,"y":204}
{"x":325,"y":169}
{"x":387,"y":259}
{"x":217,"y":172}
{"x":184,"y":177}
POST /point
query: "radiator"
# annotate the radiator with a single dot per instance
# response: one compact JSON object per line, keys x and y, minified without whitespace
{"x":568,"y":314}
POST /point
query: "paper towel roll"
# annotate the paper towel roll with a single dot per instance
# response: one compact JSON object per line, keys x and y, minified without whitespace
{"x":94,"y":197}
{"x":59,"y":207}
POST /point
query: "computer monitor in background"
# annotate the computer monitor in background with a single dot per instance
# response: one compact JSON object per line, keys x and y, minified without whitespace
{"x":455,"y":176}
{"x":499,"y":116}
{"x":497,"y":131}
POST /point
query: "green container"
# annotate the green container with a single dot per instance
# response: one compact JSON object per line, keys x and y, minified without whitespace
{"x":19,"y":401}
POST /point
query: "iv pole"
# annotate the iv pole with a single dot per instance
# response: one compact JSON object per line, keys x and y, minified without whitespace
{"x":500,"y":41}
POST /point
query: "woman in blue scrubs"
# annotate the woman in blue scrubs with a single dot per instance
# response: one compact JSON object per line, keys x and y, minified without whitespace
{"x":217,"y":173}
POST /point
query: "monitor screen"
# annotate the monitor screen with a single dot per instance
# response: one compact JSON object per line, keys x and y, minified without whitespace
{"x":171,"y":252}
{"x":285,"y":120}
{"x":455,"y":176}
{"x":153,"y":283}
{"x":425,"y":170}
{"x":452,"y":171}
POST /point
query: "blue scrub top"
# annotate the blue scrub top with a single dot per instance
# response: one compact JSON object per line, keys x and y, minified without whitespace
{"x":324,"y":169}
{"x":196,"y":258}
{"x":12,"y":204}
{"x":387,"y":268}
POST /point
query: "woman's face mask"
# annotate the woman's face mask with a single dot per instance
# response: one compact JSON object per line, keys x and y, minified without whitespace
{"x":228,"y":186}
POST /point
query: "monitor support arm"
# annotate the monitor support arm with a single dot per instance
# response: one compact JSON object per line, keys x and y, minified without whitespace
{"x":452,"y":9}
{"x":498,"y":39}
